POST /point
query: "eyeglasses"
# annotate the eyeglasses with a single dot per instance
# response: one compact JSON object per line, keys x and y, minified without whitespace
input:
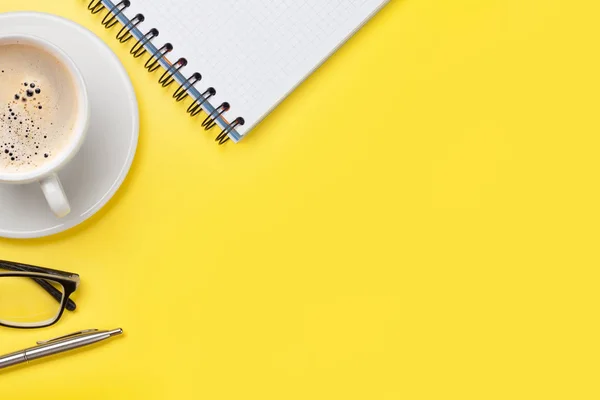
{"x":34,"y":297}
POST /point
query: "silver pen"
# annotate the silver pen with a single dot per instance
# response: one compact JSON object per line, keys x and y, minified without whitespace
{"x":61,"y":344}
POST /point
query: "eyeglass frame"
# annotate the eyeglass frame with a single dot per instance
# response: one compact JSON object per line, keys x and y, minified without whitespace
{"x":68,"y":280}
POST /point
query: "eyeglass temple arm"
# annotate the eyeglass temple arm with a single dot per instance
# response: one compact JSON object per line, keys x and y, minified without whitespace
{"x":52,"y":291}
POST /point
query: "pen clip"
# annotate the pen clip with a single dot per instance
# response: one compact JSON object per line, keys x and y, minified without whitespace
{"x":67,"y":336}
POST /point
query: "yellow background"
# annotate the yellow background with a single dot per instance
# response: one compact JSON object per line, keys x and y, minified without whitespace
{"x":436,"y":240}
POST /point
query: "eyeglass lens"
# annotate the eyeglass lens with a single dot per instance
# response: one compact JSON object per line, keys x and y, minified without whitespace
{"x":23,"y":302}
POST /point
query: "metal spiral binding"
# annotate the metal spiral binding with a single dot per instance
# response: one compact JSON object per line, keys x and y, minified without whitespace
{"x":125,"y":33}
{"x":224,"y":135}
{"x":168,"y":77}
{"x":114,"y":14}
{"x":95,"y":6}
{"x":154,"y":62}
{"x":182,"y":92}
{"x":210,"y":121}
{"x":139,"y":48}
{"x":195,"y":108}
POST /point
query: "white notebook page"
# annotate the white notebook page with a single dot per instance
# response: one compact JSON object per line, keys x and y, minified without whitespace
{"x":253,"y":52}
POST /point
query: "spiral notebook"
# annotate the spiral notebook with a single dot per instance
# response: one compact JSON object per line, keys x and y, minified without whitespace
{"x":234,"y":60}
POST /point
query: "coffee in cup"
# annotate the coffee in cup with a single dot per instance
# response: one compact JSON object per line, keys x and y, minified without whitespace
{"x":44,"y":114}
{"x":38,"y":106}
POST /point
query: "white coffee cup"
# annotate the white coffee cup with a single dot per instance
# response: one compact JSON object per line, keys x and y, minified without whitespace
{"x":46,"y":173}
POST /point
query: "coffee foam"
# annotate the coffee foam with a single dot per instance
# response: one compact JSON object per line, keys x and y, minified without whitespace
{"x":38,"y":107}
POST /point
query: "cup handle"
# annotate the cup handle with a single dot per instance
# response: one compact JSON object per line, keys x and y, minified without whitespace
{"x":55,"y":195}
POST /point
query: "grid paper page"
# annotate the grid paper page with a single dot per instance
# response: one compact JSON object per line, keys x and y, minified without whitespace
{"x":253,"y":52}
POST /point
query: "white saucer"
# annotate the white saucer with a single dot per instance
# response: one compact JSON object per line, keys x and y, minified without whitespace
{"x":102,"y":164}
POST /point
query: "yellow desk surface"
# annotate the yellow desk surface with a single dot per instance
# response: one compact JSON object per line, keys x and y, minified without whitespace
{"x":437,"y":240}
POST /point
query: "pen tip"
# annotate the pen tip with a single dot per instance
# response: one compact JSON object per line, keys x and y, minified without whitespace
{"x":116,"y":332}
